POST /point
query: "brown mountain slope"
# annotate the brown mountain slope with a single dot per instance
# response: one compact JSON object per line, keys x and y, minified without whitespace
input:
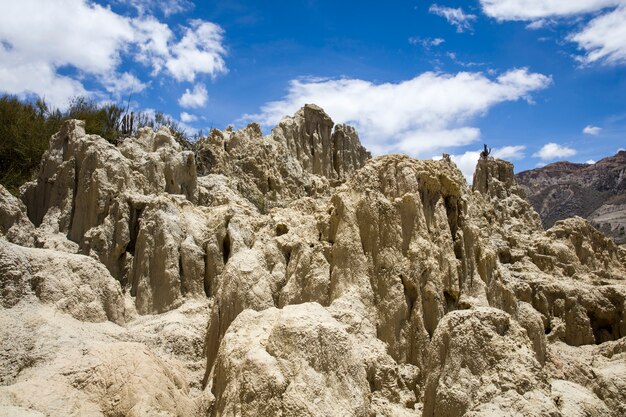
{"x":596,"y":192}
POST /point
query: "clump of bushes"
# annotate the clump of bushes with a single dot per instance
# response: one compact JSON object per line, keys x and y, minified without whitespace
{"x":26,"y":128}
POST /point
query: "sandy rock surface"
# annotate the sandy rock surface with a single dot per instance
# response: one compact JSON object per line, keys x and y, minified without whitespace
{"x":291,"y":274}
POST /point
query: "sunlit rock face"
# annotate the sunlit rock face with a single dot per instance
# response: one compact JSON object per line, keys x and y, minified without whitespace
{"x":294,"y":275}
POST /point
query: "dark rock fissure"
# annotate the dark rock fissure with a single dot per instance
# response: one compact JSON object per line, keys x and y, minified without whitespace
{"x":73,"y":209}
{"x":226,"y":248}
{"x":181,"y":273}
{"x":604,"y":330}
{"x":133,"y":227}
{"x":281,"y":229}
{"x":206,"y":281}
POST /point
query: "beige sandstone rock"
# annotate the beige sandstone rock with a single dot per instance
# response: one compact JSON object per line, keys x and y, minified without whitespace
{"x":297,"y":159}
{"x":481,"y":361}
{"x":297,"y":361}
{"x":74,"y":368}
{"x":577,"y":401}
{"x":395,"y":204}
{"x":14,"y":223}
{"x":292,"y":275}
{"x":74,"y":284}
{"x":599,"y":369}
{"x":309,"y":137}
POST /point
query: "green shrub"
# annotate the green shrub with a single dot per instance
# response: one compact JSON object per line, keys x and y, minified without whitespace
{"x":26,"y":128}
{"x":102,"y":120}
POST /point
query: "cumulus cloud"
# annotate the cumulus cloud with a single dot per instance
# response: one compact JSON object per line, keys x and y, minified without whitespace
{"x":509,"y":152}
{"x":590,"y":162}
{"x":122,"y":84}
{"x":541,"y":9}
{"x":188,"y":118}
{"x":153,"y":42}
{"x":92,"y":42}
{"x":429,"y":112}
{"x":603,"y":39}
{"x":456,"y":17}
{"x":592,"y":130}
{"x":551,"y":151}
{"x":21,"y":76}
{"x":197,"y":97}
{"x":466,"y":162}
{"x":199,"y":51}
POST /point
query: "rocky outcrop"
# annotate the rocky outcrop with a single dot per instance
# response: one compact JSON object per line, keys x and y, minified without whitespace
{"x":588,"y":379}
{"x":302,"y":156}
{"x":74,"y":284}
{"x":399,"y":241}
{"x":596,"y":192}
{"x":296,"y":361}
{"x":292,"y":275}
{"x":53,"y":364}
{"x":263,"y":169}
{"x":482,"y":363}
{"x":310,"y":138}
{"x":14,"y":223}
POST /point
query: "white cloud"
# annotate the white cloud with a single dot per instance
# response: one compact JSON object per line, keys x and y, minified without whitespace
{"x":123,"y":84}
{"x":429,"y":112}
{"x":188,"y":118}
{"x":540,"y":9}
{"x":509,"y":152}
{"x":20,"y":76}
{"x":426,"y":42}
{"x":602,"y":40}
{"x":197,"y":97}
{"x":153,"y":39}
{"x":541,"y":24}
{"x":592,"y":130}
{"x":456,"y":17}
{"x":167,"y":7}
{"x":53,"y":33}
{"x":199,"y":51}
{"x":552,"y":151}
{"x":590,"y":162}
{"x":90,"y":43}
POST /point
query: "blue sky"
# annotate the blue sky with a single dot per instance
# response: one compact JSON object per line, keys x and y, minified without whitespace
{"x":537,"y":80}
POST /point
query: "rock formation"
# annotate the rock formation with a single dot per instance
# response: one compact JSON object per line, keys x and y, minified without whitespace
{"x":596,"y":192}
{"x":293,"y":275}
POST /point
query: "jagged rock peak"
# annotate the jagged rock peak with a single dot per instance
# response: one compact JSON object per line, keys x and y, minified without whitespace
{"x":301,"y":157}
{"x":309,"y":136}
{"x":495,"y":181}
{"x":495,"y":177}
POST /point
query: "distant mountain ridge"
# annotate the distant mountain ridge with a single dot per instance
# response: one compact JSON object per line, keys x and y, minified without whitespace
{"x":596,"y":192}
